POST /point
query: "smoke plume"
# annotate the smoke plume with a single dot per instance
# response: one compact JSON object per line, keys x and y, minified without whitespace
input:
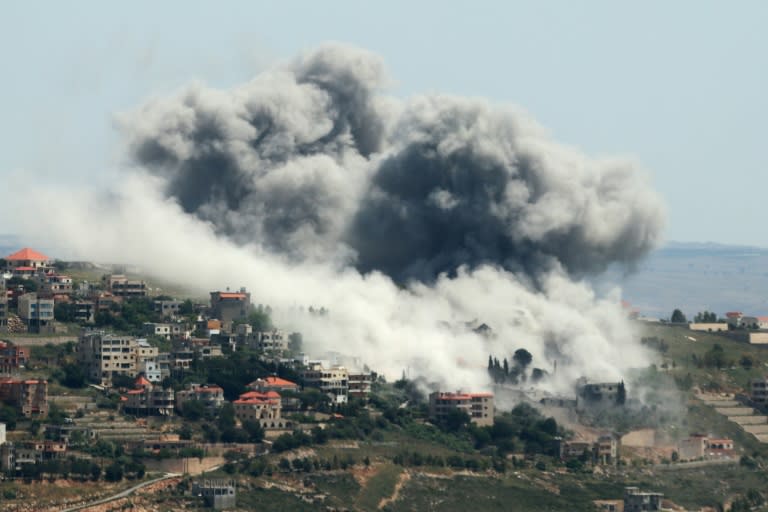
{"x":407,"y":219}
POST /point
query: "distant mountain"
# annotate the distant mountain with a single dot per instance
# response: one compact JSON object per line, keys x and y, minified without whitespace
{"x":699,"y":276}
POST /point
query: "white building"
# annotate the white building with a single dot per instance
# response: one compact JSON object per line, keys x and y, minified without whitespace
{"x":333,"y":380}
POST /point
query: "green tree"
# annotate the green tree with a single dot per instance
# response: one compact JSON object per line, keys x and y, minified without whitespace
{"x":226,"y":417}
{"x":678,"y":317}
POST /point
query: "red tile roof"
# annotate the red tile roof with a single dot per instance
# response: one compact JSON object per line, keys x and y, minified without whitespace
{"x":142,"y":381}
{"x":733,"y":314}
{"x":27,"y":254}
{"x":273,"y":381}
{"x":231,"y":295}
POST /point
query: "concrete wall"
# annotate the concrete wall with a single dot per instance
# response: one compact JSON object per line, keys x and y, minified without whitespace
{"x":708,"y":327}
{"x":758,"y":338}
{"x":190,"y":465}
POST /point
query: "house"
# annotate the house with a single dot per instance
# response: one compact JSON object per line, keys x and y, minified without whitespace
{"x":230,"y":306}
{"x":699,"y":446}
{"x":210,"y":395}
{"x":147,"y":399}
{"x":263,"y":408}
{"x":85,"y":311}
{"x":478,"y":406}
{"x":29,"y":396}
{"x":12,"y":357}
{"x":27,"y":257}
{"x":637,"y":501}
{"x":332,"y":380}
{"x":273,"y":383}
{"x":599,"y":395}
{"x":36,"y":312}
{"x":55,"y":284}
{"x":733,"y":318}
{"x":3,"y":308}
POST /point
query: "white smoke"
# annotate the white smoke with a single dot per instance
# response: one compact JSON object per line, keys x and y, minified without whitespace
{"x":299,"y":202}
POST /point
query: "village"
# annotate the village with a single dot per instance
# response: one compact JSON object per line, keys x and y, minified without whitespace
{"x":154,"y":384}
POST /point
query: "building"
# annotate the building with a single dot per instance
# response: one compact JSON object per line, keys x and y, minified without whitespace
{"x":105,"y":355}
{"x":264,"y":408}
{"x":360,"y":384}
{"x":637,"y":501}
{"x":12,"y":357}
{"x":733,"y":318}
{"x":27,"y":257}
{"x":478,"y":406}
{"x":268,"y":341}
{"x":606,"y":449}
{"x":29,"y":396}
{"x":168,"y":309}
{"x":36,"y":311}
{"x":55,"y":284}
{"x":693,"y":447}
{"x":3,"y":308}
{"x":230,"y":306}
{"x":599,"y":395}
{"x":120,"y":286}
{"x":147,"y":399}
{"x":217,"y":494}
{"x":210,"y":395}
{"x":273,"y":383}
{"x":152,"y":371}
{"x":333,"y":381}
{"x":2,"y":433}
{"x":85,"y":311}
{"x":759,"y":390}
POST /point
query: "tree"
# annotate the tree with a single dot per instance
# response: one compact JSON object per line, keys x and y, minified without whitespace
{"x":114,"y":472}
{"x":678,"y":317}
{"x":705,"y":317}
{"x":254,"y":430}
{"x":522,"y":357}
{"x":456,"y":420}
{"x":226,"y":416}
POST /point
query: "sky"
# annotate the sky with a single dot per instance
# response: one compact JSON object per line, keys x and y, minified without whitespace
{"x":678,"y":86}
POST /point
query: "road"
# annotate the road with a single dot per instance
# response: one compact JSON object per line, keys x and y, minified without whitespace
{"x":122,"y":494}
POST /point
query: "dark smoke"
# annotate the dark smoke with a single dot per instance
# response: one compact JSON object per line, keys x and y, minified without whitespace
{"x":312,"y":162}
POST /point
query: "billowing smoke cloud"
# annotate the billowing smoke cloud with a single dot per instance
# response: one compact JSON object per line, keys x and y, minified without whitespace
{"x":310,"y":161}
{"x":406,"y":219}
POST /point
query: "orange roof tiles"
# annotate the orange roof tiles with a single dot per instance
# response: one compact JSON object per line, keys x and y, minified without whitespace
{"x":274,"y":381}
{"x":27,"y":254}
{"x":142,"y":381}
{"x":231,"y":295}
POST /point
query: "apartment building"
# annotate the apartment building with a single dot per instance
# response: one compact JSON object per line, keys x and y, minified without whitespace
{"x":12,"y":357}
{"x":106,"y":355}
{"x":333,"y":381}
{"x":268,"y":341}
{"x":3,"y":308}
{"x":29,"y":396}
{"x":759,"y":390}
{"x":169,"y":309}
{"x":360,"y":384}
{"x":55,"y":284}
{"x":478,"y":406}
{"x":36,"y":311}
{"x":120,"y":286}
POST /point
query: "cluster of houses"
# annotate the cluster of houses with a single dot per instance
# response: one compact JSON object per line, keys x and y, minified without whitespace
{"x":35,"y":304}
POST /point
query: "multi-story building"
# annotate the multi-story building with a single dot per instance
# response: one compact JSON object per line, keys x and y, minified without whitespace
{"x":478,"y":406}
{"x":30,"y":396}
{"x":12,"y":357}
{"x":264,"y":408}
{"x":106,"y":355}
{"x":120,"y":286}
{"x":85,"y":311}
{"x":55,"y":284}
{"x":164,"y":330}
{"x":217,"y":494}
{"x":36,"y":311}
{"x":210,"y":395}
{"x":168,"y":309}
{"x":759,"y":390}
{"x":268,"y":341}
{"x":230,"y":306}
{"x":360,"y":384}
{"x":333,"y":381}
{"x":147,"y":399}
